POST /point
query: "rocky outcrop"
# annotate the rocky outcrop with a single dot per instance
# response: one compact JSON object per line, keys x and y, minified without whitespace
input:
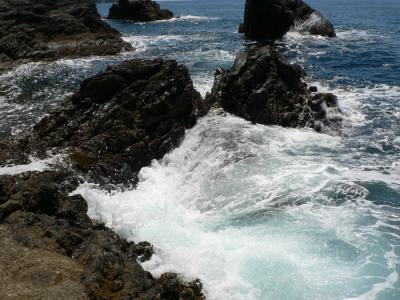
{"x":138,"y":11}
{"x":32,"y":30}
{"x":271,"y":19}
{"x":50,"y":249}
{"x":118,"y":121}
{"x":263,"y":87}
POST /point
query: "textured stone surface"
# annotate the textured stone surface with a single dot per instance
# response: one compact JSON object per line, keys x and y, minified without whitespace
{"x":27,"y":273}
{"x":123,"y":118}
{"x":32,"y":30}
{"x":118,"y":121}
{"x":264,"y":87}
{"x":50,"y":249}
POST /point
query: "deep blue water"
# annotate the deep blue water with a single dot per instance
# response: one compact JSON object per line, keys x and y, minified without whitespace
{"x":259,"y":212}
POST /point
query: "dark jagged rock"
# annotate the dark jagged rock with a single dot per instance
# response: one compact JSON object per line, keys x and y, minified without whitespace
{"x":32,"y":30}
{"x":265,"y":88}
{"x":271,"y":19}
{"x":139,"y":11}
{"x":114,"y":125}
{"x":118,"y":121}
{"x":61,"y":253}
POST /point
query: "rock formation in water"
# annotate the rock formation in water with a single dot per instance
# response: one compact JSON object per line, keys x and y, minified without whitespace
{"x":119,"y":120}
{"x":263,"y":87}
{"x":33,"y":30}
{"x":271,"y":19}
{"x":138,"y":11}
{"x":50,"y":249}
{"x":113,"y":126}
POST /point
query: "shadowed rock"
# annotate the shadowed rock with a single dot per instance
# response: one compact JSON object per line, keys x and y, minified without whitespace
{"x":32,"y":30}
{"x":138,"y":11}
{"x":263,"y":87}
{"x":271,"y":19}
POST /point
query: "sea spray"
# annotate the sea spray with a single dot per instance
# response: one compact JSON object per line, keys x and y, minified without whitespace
{"x":250,"y":209}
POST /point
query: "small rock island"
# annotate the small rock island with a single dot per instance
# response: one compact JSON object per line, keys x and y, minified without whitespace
{"x":139,"y":11}
{"x":271,"y":19}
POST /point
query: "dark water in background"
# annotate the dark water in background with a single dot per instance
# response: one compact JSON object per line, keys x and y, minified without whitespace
{"x":259,"y":212}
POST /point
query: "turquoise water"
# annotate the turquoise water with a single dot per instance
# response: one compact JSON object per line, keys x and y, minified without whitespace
{"x":259,"y":212}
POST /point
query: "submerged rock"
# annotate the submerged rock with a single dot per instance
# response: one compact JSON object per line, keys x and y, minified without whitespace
{"x":271,"y":19}
{"x":33,"y":30}
{"x":138,"y":11}
{"x":118,"y":121}
{"x":50,"y":248}
{"x":263,"y":87}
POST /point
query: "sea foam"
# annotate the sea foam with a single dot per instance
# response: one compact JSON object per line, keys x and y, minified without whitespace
{"x":252,"y":208}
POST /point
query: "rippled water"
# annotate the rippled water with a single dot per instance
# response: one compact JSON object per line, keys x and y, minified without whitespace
{"x":259,"y":212}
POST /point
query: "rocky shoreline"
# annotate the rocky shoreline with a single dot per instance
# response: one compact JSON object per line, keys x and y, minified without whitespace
{"x":59,"y":253}
{"x":118,"y":121}
{"x":115,"y":124}
{"x":49,"y":30}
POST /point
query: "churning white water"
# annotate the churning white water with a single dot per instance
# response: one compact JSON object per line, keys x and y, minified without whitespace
{"x":258,"y":212}
{"x":35,"y":165}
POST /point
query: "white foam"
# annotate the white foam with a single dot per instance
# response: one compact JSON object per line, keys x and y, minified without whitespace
{"x":298,"y":34}
{"x":304,"y":26}
{"x":185,"y":18}
{"x":197,"y":18}
{"x":141,"y":42}
{"x":294,"y":35}
{"x":226,"y":207}
{"x":355,"y":101}
{"x":358,"y":35}
{"x":203,"y":83}
{"x":35,"y":164}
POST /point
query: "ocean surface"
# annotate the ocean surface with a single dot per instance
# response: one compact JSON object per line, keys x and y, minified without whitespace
{"x":257,"y":212}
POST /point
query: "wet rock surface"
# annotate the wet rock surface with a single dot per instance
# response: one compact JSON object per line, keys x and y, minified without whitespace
{"x":263,"y":87}
{"x":118,"y":121}
{"x":138,"y":11}
{"x":32,"y":30}
{"x":61,"y":253}
{"x":271,"y":19}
